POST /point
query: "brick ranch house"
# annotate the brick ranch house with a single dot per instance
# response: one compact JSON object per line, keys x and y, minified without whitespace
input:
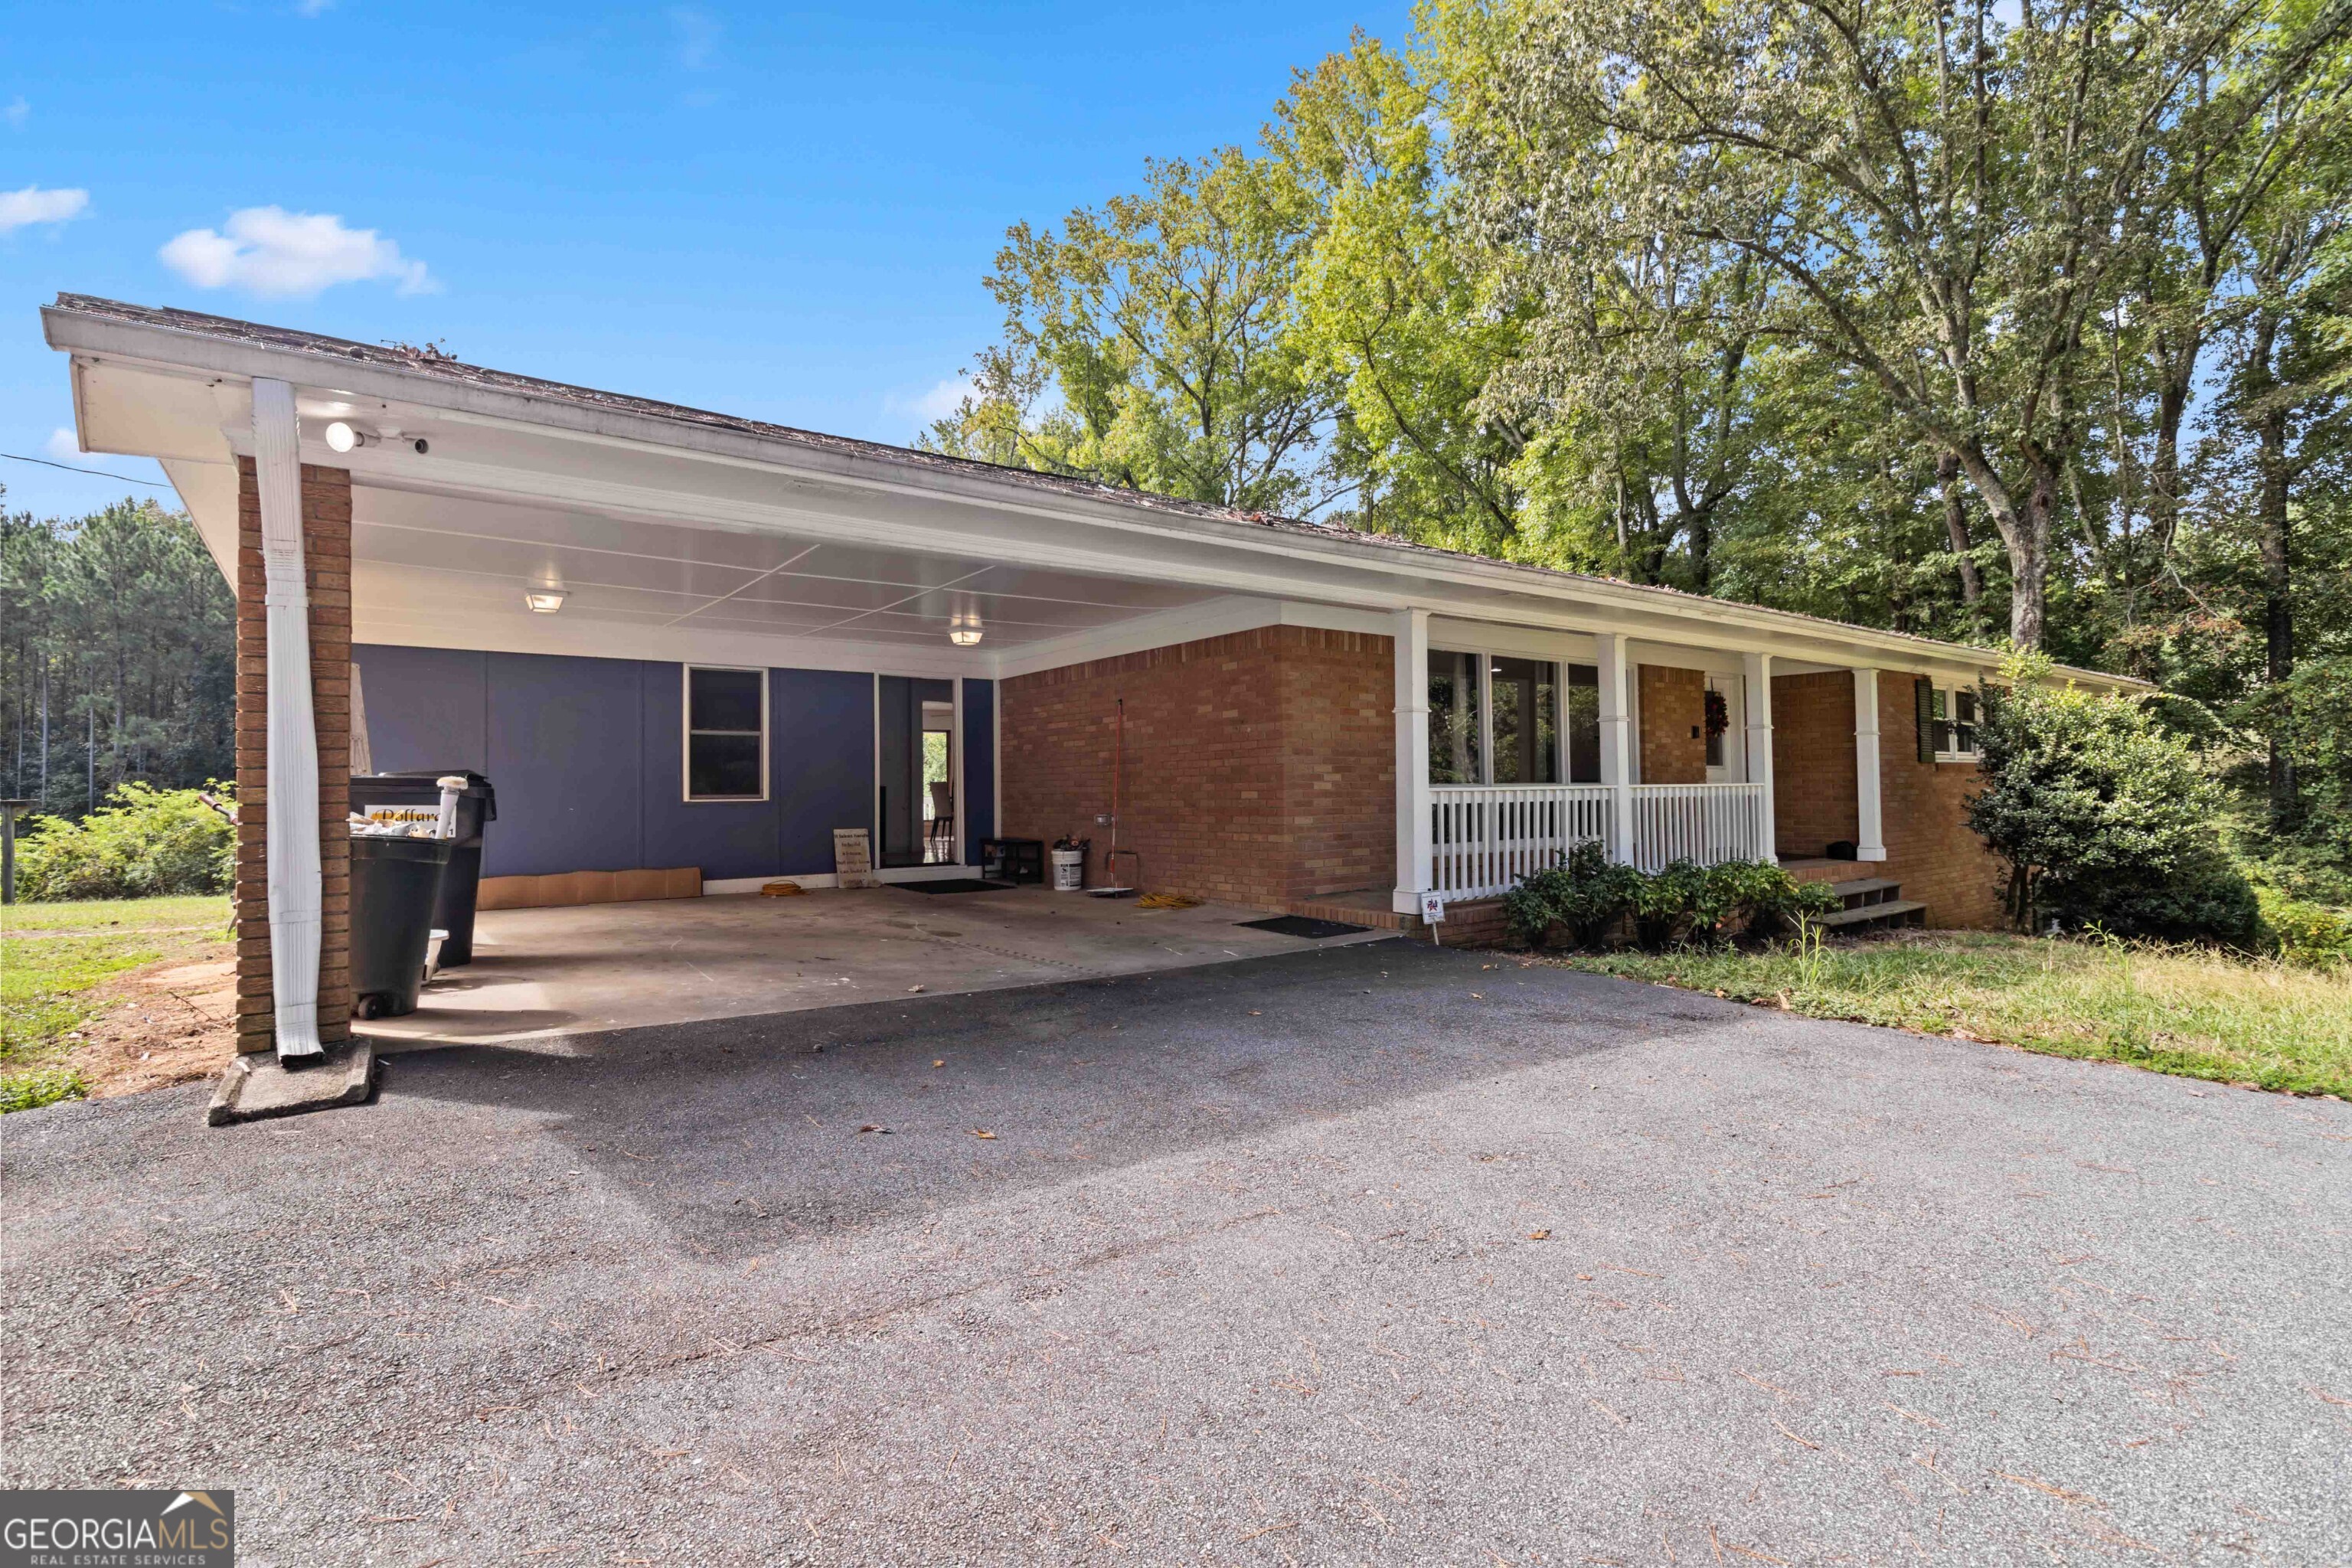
{"x":684,"y":646}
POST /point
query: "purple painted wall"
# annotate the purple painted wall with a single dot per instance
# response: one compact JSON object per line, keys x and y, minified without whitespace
{"x":586,"y":756}
{"x":978,"y":810}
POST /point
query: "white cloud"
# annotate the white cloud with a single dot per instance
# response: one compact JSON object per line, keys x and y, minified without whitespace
{"x":697,"y":36}
{"x":937,"y":403}
{"x":311,"y":8}
{"x":65,"y":448}
{"x":269,"y":250}
{"x":17,"y":113}
{"x":33,"y":205}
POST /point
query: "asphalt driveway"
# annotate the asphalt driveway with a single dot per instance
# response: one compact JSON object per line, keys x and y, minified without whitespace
{"x":1366,"y":1254}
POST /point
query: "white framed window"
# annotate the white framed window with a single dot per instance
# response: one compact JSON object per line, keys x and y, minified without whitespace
{"x":726,"y":739}
{"x":1952,"y":711}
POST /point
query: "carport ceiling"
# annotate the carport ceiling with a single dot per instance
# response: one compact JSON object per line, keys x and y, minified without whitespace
{"x":423,"y":561}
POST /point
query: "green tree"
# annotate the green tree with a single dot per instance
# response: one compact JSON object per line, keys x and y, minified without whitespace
{"x":1149,"y":344}
{"x":1944,"y":202}
{"x":117,"y":656}
{"x":1389,"y":306}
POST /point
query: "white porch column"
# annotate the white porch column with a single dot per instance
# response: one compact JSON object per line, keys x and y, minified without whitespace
{"x":296,"y":895}
{"x":1617,"y":743}
{"x":1757,"y":668}
{"x":1412,"y":825}
{"x":1870,"y":831}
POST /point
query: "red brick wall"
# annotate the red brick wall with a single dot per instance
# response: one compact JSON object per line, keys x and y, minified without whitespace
{"x":327,"y":558}
{"x":1260,"y":767}
{"x":1673,"y":705}
{"x":1812,"y":761}
{"x":1929,"y":848}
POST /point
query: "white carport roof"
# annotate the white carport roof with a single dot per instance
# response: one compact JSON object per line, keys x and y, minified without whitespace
{"x":678,"y":533}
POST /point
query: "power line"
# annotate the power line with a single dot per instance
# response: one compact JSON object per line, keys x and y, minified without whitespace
{"x":94,"y":473}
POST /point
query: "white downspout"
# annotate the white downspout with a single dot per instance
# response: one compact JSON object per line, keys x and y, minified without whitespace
{"x":293,"y":777}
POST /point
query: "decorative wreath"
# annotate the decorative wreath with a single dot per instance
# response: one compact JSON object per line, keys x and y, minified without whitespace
{"x":1719,"y":714}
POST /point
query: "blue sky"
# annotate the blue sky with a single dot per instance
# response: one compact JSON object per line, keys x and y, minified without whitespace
{"x":778,"y":211}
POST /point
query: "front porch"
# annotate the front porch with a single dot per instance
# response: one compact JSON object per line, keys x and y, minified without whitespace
{"x":1514,"y":745}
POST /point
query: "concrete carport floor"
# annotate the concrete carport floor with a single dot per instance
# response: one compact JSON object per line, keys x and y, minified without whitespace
{"x":552,"y":972}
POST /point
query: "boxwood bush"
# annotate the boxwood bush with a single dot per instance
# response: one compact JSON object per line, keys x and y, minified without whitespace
{"x":1587,"y":900}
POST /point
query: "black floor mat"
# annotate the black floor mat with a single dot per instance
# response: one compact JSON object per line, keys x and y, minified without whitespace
{"x":1303,"y":925}
{"x":954,"y":885}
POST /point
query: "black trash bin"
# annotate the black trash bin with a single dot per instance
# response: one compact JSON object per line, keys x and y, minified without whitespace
{"x":478,"y":804}
{"x":395,"y":885}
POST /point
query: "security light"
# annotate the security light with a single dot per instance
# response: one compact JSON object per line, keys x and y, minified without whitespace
{"x":342,"y":438}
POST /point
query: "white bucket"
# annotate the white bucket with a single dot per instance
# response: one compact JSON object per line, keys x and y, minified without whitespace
{"x":1069,"y":871}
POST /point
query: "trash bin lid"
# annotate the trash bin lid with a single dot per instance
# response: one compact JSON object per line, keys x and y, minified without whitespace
{"x":429,"y":780}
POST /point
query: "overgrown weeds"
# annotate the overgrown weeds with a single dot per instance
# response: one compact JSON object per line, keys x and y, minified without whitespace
{"x":2196,"y":1011}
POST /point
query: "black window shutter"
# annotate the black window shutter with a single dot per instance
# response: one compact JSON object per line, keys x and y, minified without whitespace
{"x":1923,"y":715}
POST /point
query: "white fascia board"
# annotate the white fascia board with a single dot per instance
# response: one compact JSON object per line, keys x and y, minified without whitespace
{"x":1243,"y":557}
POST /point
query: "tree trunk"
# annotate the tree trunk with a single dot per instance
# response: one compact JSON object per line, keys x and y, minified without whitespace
{"x":2272,"y":526}
{"x":2029,"y":558}
{"x":1956,"y":527}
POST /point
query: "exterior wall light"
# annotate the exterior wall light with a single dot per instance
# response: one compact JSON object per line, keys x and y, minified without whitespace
{"x":544,"y":601}
{"x":342,"y":438}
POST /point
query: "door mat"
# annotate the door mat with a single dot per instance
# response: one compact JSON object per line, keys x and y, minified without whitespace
{"x":1303,"y":925}
{"x":954,"y":885}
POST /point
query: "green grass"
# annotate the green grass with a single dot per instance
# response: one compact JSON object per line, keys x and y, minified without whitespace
{"x":2179,"y":1010}
{"x":52,"y":955}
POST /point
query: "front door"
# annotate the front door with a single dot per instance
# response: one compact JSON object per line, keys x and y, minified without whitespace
{"x":1727,"y":736}
{"x":915,"y":788}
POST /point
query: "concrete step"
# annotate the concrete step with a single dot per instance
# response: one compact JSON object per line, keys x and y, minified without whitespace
{"x":1893,"y":912}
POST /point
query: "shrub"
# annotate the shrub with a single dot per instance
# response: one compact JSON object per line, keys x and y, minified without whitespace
{"x":1580,"y":899}
{"x":2102,"y":817}
{"x":2304,"y":932}
{"x":144,"y":841}
{"x":1589,"y":901}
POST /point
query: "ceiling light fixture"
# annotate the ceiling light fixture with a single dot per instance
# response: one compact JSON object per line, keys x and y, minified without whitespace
{"x":963,"y":629}
{"x":341,"y":436}
{"x":544,"y":601}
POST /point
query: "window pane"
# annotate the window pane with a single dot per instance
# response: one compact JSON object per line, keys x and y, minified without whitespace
{"x":724,"y":700}
{"x":1583,"y":725}
{"x":726,"y":765}
{"x":1527,"y":722}
{"x":1453,"y":719}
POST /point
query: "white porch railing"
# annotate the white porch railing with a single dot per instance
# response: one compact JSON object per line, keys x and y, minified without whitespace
{"x":1484,"y":837}
{"x":1702,"y":822}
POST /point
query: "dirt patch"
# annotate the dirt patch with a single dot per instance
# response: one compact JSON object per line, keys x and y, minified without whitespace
{"x":171,"y":1022}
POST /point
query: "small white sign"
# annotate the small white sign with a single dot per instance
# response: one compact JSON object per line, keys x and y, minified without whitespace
{"x":1432,"y":908}
{"x":853,"y":861}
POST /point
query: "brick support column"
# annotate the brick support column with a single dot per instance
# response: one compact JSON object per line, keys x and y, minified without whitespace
{"x":327,"y":563}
